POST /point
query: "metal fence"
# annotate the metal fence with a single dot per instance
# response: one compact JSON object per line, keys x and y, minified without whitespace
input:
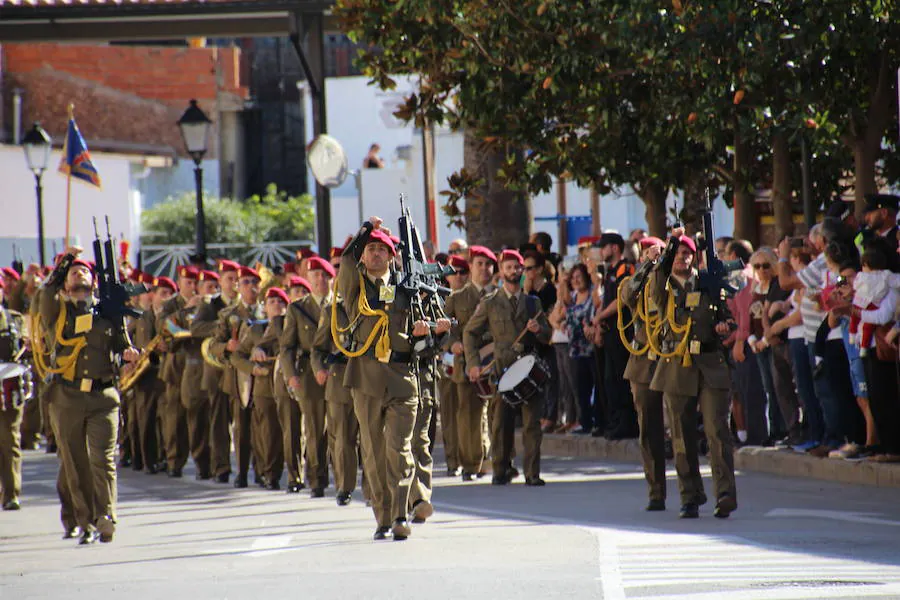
{"x":163,"y":259}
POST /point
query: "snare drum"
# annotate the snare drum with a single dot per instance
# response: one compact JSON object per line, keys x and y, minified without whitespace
{"x":486,"y":386}
{"x":523,"y":379}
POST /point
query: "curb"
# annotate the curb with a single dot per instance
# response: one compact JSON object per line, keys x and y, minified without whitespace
{"x":749,"y":458}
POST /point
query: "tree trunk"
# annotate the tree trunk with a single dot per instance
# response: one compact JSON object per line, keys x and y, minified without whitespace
{"x":654,"y":197}
{"x":498,"y":217}
{"x":782,"y":201}
{"x":746,"y":224}
{"x":864,"y":175}
{"x":694,"y":202}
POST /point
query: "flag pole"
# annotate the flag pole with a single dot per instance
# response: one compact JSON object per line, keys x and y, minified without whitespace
{"x":68,"y":176}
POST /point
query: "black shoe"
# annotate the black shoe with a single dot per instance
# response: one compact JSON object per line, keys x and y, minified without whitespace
{"x":317,"y":493}
{"x":124,"y":462}
{"x":421,"y":511}
{"x":201,"y":476}
{"x":669,"y":449}
{"x":222,"y":477}
{"x":175,"y":473}
{"x":343,"y":498}
{"x":137,"y":466}
{"x":240,"y":481}
{"x":725,"y":505}
{"x":499,"y":480}
{"x":50,"y":448}
{"x":151,"y":470}
{"x":12,"y":504}
{"x":535,"y":481}
{"x":597,"y":432}
{"x":258,"y":480}
{"x":469,"y":476}
{"x":689,"y":511}
{"x":294,"y":488}
{"x":454,"y":472}
{"x":273,"y":485}
{"x":88,"y":537}
{"x":71,"y":533}
{"x":381,"y":533}
{"x":512,"y":473}
{"x":656,"y":505}
{"x":400,"y":529}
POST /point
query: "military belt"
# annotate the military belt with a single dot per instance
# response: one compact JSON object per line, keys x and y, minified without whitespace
{"x":396,"y":357}
{"x":87,"y":385}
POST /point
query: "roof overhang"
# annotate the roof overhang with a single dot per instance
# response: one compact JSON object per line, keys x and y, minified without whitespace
{"x":135,"y":20}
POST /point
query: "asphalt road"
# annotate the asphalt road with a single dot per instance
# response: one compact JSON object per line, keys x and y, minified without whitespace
{"x":585,"y":535}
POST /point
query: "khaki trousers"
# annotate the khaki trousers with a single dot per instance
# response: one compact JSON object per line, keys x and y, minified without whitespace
{"x":242,"y":426}
{"x":197,"y":418}
{"x":11,"y":452}
{"x":291,"y":436}
{"x":448,"y":397}
{"x":421,"y":489}
{"x":503,"y":423}
{"x":470,"y":417}
{"x":683,"y":419}
{"x":312,"y":409}
{"x":385,"y":430}
{"x":652,"y":437}
{"x":175,"y":429}
{"x":343,"y":426}
{"x":30,"y":427}
{"x":148,"y":394}
{"x":219,"y":433}
{"x":85,"y":424}
{"x":270,"y":461}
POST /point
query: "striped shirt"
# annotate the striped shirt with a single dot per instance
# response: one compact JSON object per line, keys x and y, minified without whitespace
{"x":813,"y":278}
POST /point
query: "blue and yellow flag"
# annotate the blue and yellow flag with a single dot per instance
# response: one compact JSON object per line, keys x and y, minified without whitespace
{"x":76,"y":160}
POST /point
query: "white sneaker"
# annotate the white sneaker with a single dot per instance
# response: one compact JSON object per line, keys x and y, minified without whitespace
{"x":849,"y":450}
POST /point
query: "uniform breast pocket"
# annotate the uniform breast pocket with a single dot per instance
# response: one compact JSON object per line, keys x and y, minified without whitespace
{"x":505,"y":328}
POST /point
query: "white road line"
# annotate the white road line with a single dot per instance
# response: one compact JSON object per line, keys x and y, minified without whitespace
{"x":608,"y":559}
{"x":792,"y":593}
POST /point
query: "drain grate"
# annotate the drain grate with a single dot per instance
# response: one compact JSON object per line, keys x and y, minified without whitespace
{"x":813,"y":583}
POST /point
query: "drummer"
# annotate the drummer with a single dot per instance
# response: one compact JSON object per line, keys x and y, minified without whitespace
{"x":517,"y":326}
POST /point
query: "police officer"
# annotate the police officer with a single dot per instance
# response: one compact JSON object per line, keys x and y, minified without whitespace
{"x":692,"y":368}
{"x":382,"y":372}
{"x":84,"y":403}
{"x":13,"y":393}
{"x":472,"y":409}
{"x":505,"y":314}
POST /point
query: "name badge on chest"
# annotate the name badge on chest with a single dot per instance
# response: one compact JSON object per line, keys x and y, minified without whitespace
{"x":387,"y":293}
{"x":692,"y":300}
{"x":695,"y":347}
{"x":84,"y":323}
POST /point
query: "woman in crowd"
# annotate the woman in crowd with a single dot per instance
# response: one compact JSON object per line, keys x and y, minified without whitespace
{"x":575,"y":291}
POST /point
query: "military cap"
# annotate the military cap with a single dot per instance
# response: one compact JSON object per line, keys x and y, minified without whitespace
{"x":10,"y":272}
{"x":512,"y":255}
{"x":188,"y":272}
{"x":297,"y":281}
{"x":249,"y":272}
{"x":317,"y":263}
{"x":459,"y":263}
{"x":165,"y":282}
{"x":226,"y":265}
{"x":378,"y":236}
{"x":482,"y":251}
{"x":689,"y":242}
{"x":277,"y":292}
{"x":208,"y":276}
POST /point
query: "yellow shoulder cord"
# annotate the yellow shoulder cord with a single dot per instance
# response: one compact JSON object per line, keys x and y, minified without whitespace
{"x":639,"y":315}
{"x":380,"y":331}
{"x":66,"y":364}
{"x":681,"y":348}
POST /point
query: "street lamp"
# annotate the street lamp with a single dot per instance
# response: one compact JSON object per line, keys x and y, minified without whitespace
{"x":195,"y":126}
{"x":37,"y":155}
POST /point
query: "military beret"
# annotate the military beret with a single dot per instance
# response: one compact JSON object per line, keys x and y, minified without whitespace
{"x":689,"y":242}
{"x":187,"y":272}
{"x":511,"y":255}
{"x":336,"y":252}
{"x":277,"y":292}
{"x":877,"y":201}
{"x":482,"y":251}
{"x":147,"y":278}
{"x":10,"y":272}
{"x":305,"y":253}
{"x":165,"y":282}
{"x":459,"y":263}
{"x":651,"y":240}
{"x":290,"y":267}
{"x":208,"y":276}
{"x":587,"y":240}
{"x":249,"y":272}
{"x":83,"y":263}
{"x":380,"y":237}
{"x":297,"y":281}
{"x":226,"y":265}
{"x":317,"y":263}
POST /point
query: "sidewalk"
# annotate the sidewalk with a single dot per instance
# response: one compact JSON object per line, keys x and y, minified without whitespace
{"x":750,"y":458}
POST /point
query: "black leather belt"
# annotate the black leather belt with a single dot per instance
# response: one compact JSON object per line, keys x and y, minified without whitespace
{"x":87,"y":385}
{"x":396,"y":357}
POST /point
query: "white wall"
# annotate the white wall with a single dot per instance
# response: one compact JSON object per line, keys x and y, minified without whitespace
{"x":18,"y":212}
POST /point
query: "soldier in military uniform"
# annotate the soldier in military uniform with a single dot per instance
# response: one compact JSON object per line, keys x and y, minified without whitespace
{"x":130,"y":448}
{"x":472,"y":410}
{"x":692,"y":367}
{"x":14,"y":389}
{"x":204,"y":326}
{"x":505,"y":314}
{"x":84,"y":403}
{"x":639,"y":373}
{"x":448,"y":395}
{"x":182,"y":389}
{"x":381,"y":372}
{"x":300,"y":328}
{"x":257,"y":360}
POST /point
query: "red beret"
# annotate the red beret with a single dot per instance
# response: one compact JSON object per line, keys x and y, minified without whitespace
{"x":512,"y":255}
{"x":208,"y":276}
{"x":188,"y":273}
{"x":588,"y":239}
{"x":336,"y":252}
{"x":83,"y":263}
{"x":297,"y":281}
{"x":459,"y":263}
{"x":395,"y":239}
{"x":482,"y":251}
{"x":277,"y":292}
{"x":687,"y":241}
{"x":651,"y":241}
{"x":165,"y":282}
{"x":226,"y":265}
{"x":248,"y":272}
{"x":136,"y":275}
{"x":147,"y":278}
{"x":317,"y":263}
{"x":290,"y":267}
{"x":10,"y":272}
{"x":381,"y":237}
{"x":305,"y":253}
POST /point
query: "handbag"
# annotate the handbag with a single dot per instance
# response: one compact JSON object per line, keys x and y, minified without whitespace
{"x":883,"y":350}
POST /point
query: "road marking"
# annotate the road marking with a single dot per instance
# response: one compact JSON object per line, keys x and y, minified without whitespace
{"x":610,"y":569}
{"x":835,"y":515}
{"x":269,"y":545}
{"x":794,"y":593}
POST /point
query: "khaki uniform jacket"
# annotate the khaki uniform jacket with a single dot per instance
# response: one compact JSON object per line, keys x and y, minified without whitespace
{"x":671,"y":376}
{"x":228,"y":325}
{"x":326,"y":357}
{"x":271,"y":341}
{"x":640,"y":368}
{"x":495,"y":315}
{"x":391,"y":379}
{"x":251,"y":336}
{"x":300,"y":325}
{"x":102,"y":336}
{"x":204,"y":326}
{"x":185,"y":368}
{"x":461,"y":305}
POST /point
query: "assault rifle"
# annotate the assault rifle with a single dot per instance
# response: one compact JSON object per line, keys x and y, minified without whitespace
{"x":714,"y":279}
{"x":113,"y":295}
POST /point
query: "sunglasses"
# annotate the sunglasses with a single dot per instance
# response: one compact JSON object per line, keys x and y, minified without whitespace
{"x":763,"y":266}
{"x":456,"y":251}
{"x":531,"y":268}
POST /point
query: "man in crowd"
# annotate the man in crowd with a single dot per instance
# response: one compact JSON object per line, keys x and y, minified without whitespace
{"x":13,"y":391}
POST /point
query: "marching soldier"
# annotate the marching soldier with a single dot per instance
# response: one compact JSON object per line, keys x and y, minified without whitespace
{"x":472,"y":410}
{"x":84,"y":403}
{"x":504,"y":314}
{"x":252,"y":358}
{"x":204,"y":326}
{"x":289,"y":416}
{"x":300,"y":328}
{"x":692,"y":365}
{"x":175,"y":425}
{"x":130,"y":435}
{"x":14,"y":389}
{"x":381,"y":372}
{"x":639,"y":373}
{"x":448,"y":396}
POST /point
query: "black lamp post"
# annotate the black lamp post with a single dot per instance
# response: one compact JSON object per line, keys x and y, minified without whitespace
{"x":195,"y":126}
{"x":37,"y":155}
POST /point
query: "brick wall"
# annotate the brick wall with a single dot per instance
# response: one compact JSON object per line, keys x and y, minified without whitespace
{"x":132,"y":94}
